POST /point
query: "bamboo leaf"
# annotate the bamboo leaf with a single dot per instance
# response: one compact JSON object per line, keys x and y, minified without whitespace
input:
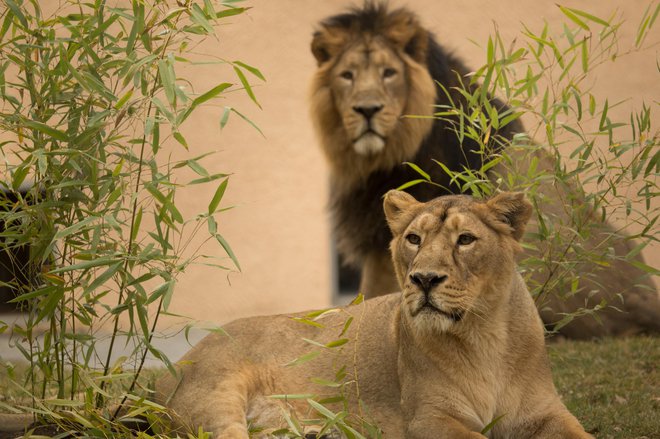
{"x":210,"y":94}
{"x":167,"y":78}
{"x":16,"y":11}
{"x":228,"y":249}
{"x":303,"y":359}
{"x":45,"y":129}
{"x":573,"y":17}
{"x":246,"y":85}
{"x":255,"y":71}
{"x":217,"y":197}
{"x":417,"y":169}
{"x":230,"y":12}
{"x":245,"y":118}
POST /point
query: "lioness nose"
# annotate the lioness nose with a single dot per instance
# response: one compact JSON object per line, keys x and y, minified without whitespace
{"x":367,"y":110}
{"x":426,"y":281}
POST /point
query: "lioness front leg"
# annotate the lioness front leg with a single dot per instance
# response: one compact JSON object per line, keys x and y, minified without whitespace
{"x":563,"y":425}
{"x":439,"y":427}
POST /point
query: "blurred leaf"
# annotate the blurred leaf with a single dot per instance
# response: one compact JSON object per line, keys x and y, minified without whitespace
{"x":228,"y":249}
{"x":217,"y":197}
{"x":250,"y":69}
{"x":246,"y":86}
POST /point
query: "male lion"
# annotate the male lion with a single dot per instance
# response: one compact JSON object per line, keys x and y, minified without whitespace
{"x":461,"y":346}
{"x":375,"y":66}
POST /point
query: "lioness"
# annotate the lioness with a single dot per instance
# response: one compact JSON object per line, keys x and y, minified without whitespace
{"x":377,"y":65}
{"x":462,"y":345}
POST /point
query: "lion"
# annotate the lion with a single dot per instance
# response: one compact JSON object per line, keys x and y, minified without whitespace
{"x":461,"y":346}
{"x":376,"y":66}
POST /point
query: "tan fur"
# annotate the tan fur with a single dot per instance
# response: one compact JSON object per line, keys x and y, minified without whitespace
{"x":420,"y":372}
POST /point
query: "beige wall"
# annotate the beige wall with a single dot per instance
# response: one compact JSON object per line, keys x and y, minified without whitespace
{"x":280,"y":229}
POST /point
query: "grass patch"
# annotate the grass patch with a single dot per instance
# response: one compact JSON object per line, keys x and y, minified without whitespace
{"x":612,"y":385}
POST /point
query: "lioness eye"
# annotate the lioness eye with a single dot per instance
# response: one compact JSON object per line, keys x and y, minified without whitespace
{"x":348,"y":75}
{"x":389,"y":72}
{"x":413,"y":239}
{"x":465,"y":239}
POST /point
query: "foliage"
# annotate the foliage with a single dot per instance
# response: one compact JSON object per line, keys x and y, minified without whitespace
{"x":576,"y":158}
{"x":92,"y":108}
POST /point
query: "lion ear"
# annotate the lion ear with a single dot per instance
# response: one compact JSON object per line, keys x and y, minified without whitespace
{"x":406,"y":32}
{"x":399,"y":209}
{"x":512,"y":209}
{"x":326,"y":43}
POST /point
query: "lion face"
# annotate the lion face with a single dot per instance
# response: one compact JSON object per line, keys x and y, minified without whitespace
{"x":453,"y":255}
{"x":372,"y":72}
{"x":369,"y":87}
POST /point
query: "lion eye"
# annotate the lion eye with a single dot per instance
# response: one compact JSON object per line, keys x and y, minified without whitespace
{"x":389,"y":72}
{"x":465,"y":239}
{"x":413,"y":239}
{"x":347,"y":74}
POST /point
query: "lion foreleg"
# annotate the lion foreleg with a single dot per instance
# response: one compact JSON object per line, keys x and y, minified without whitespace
{"x":439,"y":427}
{"x":563,"y":425}
{"x":221,"y":410}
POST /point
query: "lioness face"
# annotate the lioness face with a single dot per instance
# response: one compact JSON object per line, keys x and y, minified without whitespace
{"x":450,"y":254}
{"x":368,"y":83}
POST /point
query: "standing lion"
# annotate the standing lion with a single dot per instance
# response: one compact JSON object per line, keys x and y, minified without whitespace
{"x":374,"y":67}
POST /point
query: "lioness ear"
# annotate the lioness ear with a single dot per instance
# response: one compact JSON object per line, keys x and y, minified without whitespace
{"x":398,"y":206}
{"x":404,"y":29}
{"x":512,"y":209}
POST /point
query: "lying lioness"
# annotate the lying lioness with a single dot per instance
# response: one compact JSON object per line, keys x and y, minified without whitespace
{"x":460,"y":347}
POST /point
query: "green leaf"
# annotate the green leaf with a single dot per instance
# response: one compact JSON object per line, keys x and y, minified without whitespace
{"x":86,"y":264}
{"x":168,"y":79}
{"x":585,"y":56}
{"x":303,"y":359}
{"x":589,"y":17}
{"x":573,"y":17}
{"x":104,"y":277}
{"x":250,"y":69}
{"x":45,"y":129}
{"x":321,"y":409}
{"x":492,"y":424}
{"x":217,"y":197}
{"x":225,"y":117}
{"x":647,"y":23}
{"x":19,"y":175}
{"x":228,"y":249}
{"x":136,"y":224}
{"x":417,"y":169}
{"x":179,"y":138}
{"x":198,"y":17}
{"x":337,"y":343}
{"x":120,"y":103}
{"x":210,"y":94}
{"x":246,"y":85}
{"x":230,"y":12}
{"x":245,"y":118}
{"x":16,"y":10}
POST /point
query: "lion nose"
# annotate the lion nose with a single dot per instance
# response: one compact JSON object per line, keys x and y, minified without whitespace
{"x":368,"y":110}
{"x":426,"y":281}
